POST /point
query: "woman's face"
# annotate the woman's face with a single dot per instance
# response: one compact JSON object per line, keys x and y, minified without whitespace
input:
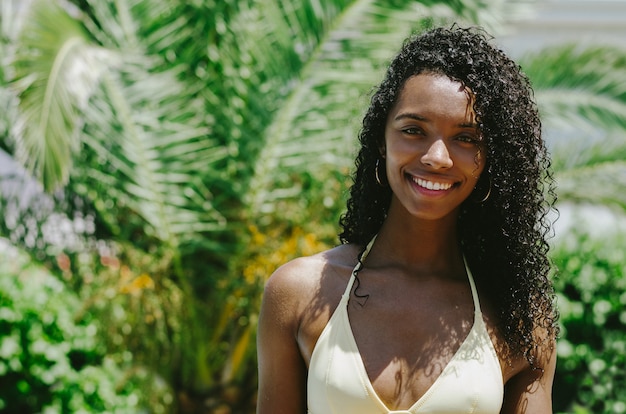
{"x":433,"y":149}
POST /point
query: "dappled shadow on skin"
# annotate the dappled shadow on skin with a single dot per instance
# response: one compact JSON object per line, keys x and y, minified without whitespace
{"x":407,"y":329}
{"x":334,"y":279}
{"x":402,"y":370}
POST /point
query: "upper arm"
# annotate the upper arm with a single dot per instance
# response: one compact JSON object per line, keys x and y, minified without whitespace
{"x":281,"y":369}
{"x":530,"y":391}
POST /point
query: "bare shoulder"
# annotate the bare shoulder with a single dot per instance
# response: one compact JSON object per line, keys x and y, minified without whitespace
{"x":296,"y":275}
{"x":286,"y":329}
{"x":296,"y":284}
{"x":292,"y":284}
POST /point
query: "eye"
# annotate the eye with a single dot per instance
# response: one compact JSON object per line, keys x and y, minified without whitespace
{"x":413,"y":130}
{"x":469,"y":139}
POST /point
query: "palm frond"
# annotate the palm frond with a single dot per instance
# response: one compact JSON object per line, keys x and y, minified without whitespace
{"x":583,"y":108}
{"x":9,"y":12}
{"x":597,"y":184}
{"x":316,"y":127}
{"x":582,"y":97}
{"x":587,"y":150}
{"x":148,"y":132}
{"x":580,"y":88}
{"x":157,"y":152}
{"x":55,"y":71}
{"x":112,"y":25}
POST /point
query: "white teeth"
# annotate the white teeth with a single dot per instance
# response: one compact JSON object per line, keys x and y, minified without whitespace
{"x":431,"y":185}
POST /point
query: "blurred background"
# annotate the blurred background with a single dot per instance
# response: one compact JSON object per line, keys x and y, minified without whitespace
{"x":160,"y":158}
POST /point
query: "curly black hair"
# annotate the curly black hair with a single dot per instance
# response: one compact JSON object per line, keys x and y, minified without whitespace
{"x":503,"y":238}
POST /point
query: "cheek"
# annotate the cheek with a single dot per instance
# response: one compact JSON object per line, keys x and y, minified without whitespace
{"x":479,"y":159}
{"x":472,"y":163}
{"x":399,"y":156}
{"x":400,"y":148}
{"x":392,"y":163}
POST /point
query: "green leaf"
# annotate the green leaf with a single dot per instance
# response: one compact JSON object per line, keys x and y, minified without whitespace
{"x":578,"y":88}
{"x":582,"y":97}
{"x":56,"y":70}
{"x":154,"y":158}
{"x":315,"y":128}
{"x":602,"y":183}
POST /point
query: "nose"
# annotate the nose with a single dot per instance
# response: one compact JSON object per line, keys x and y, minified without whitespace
{"x":437,"y":155}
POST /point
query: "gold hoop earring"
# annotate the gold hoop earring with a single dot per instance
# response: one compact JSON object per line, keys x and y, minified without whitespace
{"x":488,"y":193}
{"x":380,"y":183}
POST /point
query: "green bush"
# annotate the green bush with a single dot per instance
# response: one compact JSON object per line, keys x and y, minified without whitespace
{"x":50,"y":362}
{"x":591,"y":294}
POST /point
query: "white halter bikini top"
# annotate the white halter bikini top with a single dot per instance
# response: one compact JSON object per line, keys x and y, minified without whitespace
{"x":338,"y":382}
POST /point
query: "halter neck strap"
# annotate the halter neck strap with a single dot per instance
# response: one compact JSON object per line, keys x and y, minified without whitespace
{"x":366,"y":252}
{"x":364,"y":255}
{"x":358,"y":267}
{"x":477,"y":309}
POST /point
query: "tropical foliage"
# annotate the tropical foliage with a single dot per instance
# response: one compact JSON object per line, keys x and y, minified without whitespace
{"x":582,"y":95}
{"x":173,"y":136}
{"x":188,"y":148}
{"x":592,"y":293}
{"x":51,"y":362}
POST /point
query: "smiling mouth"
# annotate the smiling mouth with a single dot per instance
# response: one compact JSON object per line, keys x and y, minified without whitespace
{"x":431,"y":185}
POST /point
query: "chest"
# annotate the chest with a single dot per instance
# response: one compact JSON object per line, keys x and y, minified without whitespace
{"x":406,"y":341}
{"x":401,"y":319}
{"x":400,"y":352}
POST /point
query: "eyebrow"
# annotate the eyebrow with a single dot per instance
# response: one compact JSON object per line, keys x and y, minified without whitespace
{"x":417,"y":117}
{"x":410,"y":115}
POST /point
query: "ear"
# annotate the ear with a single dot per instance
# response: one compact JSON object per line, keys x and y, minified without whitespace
{"x":382,"y":150}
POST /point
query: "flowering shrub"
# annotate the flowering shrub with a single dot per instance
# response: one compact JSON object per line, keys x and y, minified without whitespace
{"x":49,"y":361}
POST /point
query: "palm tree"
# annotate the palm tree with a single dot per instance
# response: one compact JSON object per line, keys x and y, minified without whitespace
{"x":169,"y":125}
{"x":582,"y":95}
{"x":178,"y":129}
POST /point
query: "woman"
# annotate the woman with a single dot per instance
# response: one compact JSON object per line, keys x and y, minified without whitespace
{"x":438,"y":300}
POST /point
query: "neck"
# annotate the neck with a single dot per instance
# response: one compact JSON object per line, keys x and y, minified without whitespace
{"x":419,"y":245}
